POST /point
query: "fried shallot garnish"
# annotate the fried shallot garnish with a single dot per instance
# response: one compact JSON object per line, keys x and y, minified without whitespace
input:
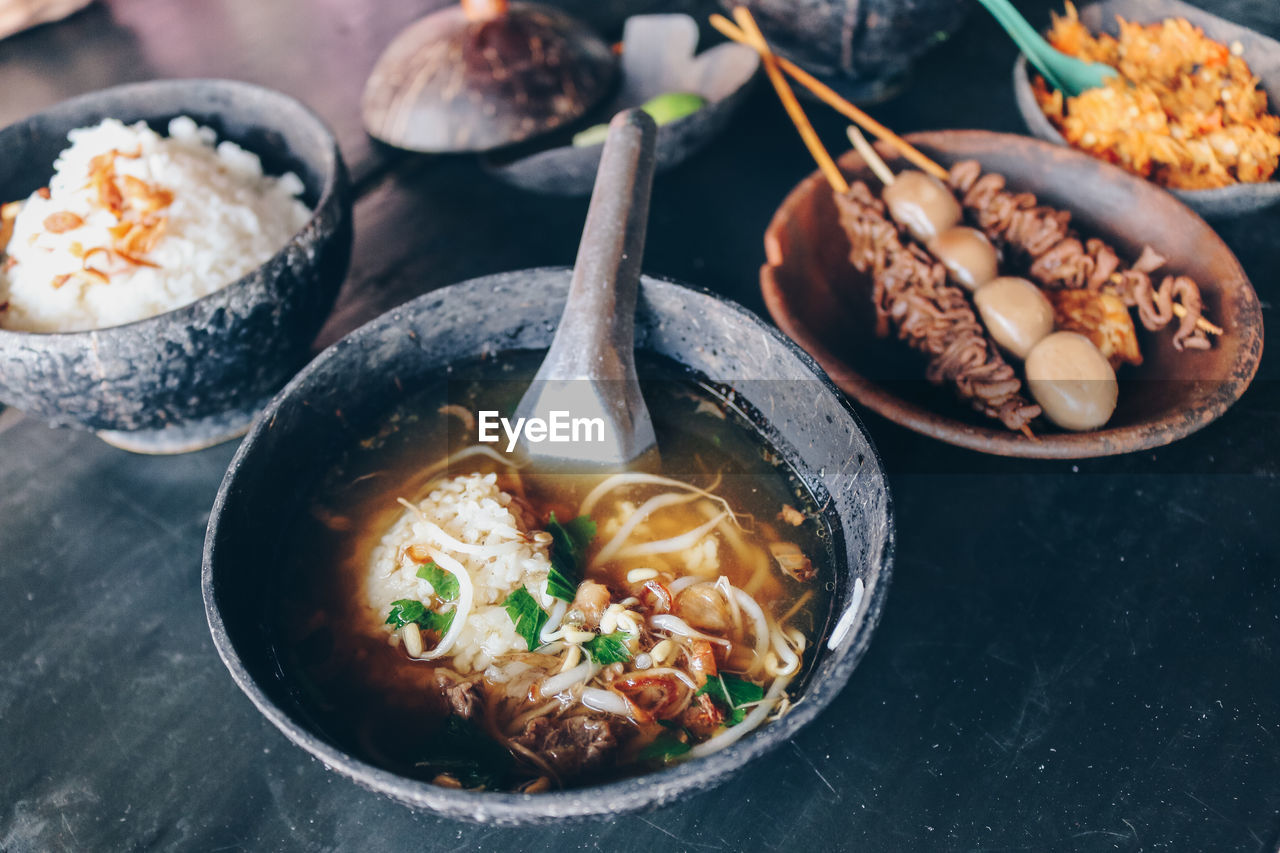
{"x":88,"y":274}
{"x":8,"y":213}
{"x":62,"y":222}
{"x":143,"y":197}
{"x":137,"y":237}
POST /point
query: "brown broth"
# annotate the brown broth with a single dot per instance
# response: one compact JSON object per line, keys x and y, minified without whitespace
{"x":369,"y":697}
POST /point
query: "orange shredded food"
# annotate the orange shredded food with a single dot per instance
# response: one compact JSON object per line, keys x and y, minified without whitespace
{"x":8,"y":213}
{"x":62,"y":221}
{"x":135,"y":205}
{"x":1184,"y":111}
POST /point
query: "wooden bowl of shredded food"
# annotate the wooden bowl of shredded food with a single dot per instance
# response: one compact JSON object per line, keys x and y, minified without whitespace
{"x":1193,"y":108}
{"x":820,"y":300}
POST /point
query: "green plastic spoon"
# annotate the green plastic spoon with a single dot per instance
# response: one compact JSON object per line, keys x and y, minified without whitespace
{"x":1066,"y":73}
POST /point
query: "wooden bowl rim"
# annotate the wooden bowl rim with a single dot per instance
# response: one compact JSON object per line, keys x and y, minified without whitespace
{"x":1145,"y":435}
{"x":1218,"y":202}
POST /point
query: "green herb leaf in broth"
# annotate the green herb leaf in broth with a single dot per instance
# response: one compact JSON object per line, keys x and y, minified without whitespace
{"x":440,"y":623}
{"x":527,"y":617}
{"x":408,"y":610}
{"x":733,"y":694}
{"x":404,"y":611}
{"x":608,"y":648}
{"x":569,"y":544}
{"x":665,"y":747}
{"x":444,"y":583}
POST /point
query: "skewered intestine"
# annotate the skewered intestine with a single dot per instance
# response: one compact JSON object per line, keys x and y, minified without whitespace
{"x":911,"y":294}
{"x":1060,"y":259}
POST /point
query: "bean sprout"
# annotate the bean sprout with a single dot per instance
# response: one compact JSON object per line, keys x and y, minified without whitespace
{"x":641,"y":575}
{"x":676,"y":543}
{"x":733,"y":734}
{"x":584,"y":671}
{"x":664,"y":652}
{"x":757,"y":616}
{"x":444,"y":540}
{"x":412,"y":639}
{"x":429,"y":475}
{"x":676,"y":625}
{"x":678,"y":673}
{"x":680,"y":584}
{"x":518,"y":724}
{"x":795,"y":608}
{"x":636,"y":478}
{"x":553,"y":621}
{"x":463,"y":609}
{"x":571,"y":658}
{"x":638,"y":517}
{"x":726,"y":589}
{"x":786,"y":661}
{"x":605,"y":700}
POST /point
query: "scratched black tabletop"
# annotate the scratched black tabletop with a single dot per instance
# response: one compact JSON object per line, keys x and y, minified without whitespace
{"x":1074,"y":655}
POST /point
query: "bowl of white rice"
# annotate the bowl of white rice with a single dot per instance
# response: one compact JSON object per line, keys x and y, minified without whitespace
{"x":168,"y":252}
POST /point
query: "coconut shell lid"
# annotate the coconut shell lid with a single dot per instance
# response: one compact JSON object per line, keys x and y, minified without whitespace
{"x":483,"y":75}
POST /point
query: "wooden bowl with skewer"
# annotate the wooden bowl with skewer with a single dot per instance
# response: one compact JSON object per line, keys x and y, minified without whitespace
{"x":847,"y":266}
{"x":817,"y":297}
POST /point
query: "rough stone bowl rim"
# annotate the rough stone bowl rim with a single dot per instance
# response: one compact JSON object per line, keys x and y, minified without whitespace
{"x":1229,"y":201}
{"x":633,"y":794}
{"x":189,"y":313}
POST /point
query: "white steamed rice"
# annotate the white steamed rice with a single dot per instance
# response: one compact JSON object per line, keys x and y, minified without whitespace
{"x":470,"y":509}
{"x":226,"y":218}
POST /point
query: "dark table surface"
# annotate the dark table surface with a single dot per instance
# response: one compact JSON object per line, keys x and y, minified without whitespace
{"x":1073,"y":656}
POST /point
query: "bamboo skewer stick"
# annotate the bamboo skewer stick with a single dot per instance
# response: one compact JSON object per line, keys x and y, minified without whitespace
{"x":1201,"y":322}
{"x":1179,"y":311}
{"x":752,"y":36}
{"x":882,"y":171}
{"x":885,"y":174}
{"x":869,"y":156}
{"x":832,"y":99}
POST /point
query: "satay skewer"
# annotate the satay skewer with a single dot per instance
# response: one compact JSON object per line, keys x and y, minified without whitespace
{"x":869,"y":156}
{"x":841,"y":105}
{"x":882,"y":171}
{"x":796,"y":112}
{"x":832,"y":99}
{"x":753,"y":38}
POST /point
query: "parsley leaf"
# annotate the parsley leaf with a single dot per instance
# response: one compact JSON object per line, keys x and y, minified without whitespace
{"x":404,"y":611}
{"x":569,"y":543}
{"x":440,"y":623}
{"x":665,"y":747}
{"x":526,"y":615}
{"x":444,"y":583}
{"x":732,"y":693}
{"x":408,"y":610}
{"x":608,"y":648}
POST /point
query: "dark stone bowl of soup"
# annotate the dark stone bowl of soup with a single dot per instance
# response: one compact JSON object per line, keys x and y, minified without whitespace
{"x":708,"y":594}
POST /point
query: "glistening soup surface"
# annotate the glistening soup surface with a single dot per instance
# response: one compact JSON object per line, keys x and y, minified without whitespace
{"x":697,"y":592}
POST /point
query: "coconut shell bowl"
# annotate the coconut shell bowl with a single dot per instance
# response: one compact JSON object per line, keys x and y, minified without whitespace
{"x":818,"y":299}
{"x":196,"y":375}
{"x":659,"y":55}
{"x":349,"y":390}
{"x":1262,"y":54}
